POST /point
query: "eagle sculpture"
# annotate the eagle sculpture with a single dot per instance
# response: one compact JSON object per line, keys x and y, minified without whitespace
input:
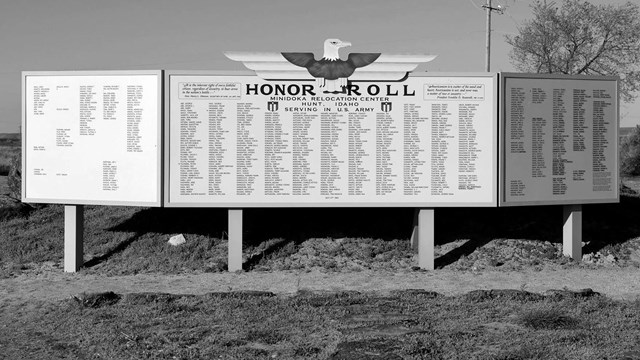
{"x":331,"y":73}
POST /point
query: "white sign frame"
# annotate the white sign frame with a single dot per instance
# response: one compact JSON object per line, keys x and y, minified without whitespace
{"x":168,"y":74}
{"x":157,"y":202}
{"x":503,"y":136}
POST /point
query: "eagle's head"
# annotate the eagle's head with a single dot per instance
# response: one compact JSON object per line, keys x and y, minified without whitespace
{"x":331,"y":47}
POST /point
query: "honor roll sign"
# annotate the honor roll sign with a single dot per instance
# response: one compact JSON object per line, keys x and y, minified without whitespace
{"x":92,"y":137}
{"x":297,"y":131}
{"x":240,"y":140}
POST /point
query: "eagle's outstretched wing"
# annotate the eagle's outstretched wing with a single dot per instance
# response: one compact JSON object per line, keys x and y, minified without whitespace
{"x":301,"y":59}
{"x":271,"y":65}
{"x":390,"y":67}
{"x":275,"y":66}
{"x":362,"y":59}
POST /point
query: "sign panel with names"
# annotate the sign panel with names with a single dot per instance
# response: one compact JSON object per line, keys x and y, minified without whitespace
{"x":239,"y":140}
{"x":560,"y":138}
{"x":92,"y":137}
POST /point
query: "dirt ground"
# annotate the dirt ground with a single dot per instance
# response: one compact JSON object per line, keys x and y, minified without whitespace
{"x":53,"y":284}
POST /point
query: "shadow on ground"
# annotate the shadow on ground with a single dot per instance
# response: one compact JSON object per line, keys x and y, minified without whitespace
{"x":295,"y":224}
{"x":611,"y":224}
{"x":603,"y":224}
{"x":117,"y":249}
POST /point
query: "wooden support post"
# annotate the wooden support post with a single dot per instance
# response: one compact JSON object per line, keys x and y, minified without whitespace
{"x":73,"y":237}
{"x":426,"y":239}
{"x":414,"y":230}
{"x":572,"y":231}
{"x":235,"y":240}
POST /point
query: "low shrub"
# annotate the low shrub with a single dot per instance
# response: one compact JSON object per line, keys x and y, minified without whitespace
{"x":96,"y":300}
{"x":630,"y":153}
{"x":14,"y":180}
{"x":11,"y":211}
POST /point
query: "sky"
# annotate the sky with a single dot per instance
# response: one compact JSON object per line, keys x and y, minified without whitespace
{"x":54,"y":35}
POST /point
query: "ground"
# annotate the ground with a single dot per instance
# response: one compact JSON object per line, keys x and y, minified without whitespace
{"x":52,"y":284}
{"x":494,"y":248}
{"x":350,"y":277}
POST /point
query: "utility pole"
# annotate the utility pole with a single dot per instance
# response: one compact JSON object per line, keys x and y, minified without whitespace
{"x":489,"y":10}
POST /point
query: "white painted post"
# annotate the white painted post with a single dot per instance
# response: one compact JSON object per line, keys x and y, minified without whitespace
{"x":426,"y":239}
{"x":73,"y":237}
{"x":572,"y":231}
{"x":235,"y":240}
{"x":414,"y":231}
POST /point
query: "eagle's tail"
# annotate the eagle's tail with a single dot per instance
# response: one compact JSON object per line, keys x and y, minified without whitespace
{"x":332,"y":86}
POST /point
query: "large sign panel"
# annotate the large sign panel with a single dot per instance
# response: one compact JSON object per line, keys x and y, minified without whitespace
{"x":560,"y":138}
{"x":92,"y":137}
{"x":240,"y":140}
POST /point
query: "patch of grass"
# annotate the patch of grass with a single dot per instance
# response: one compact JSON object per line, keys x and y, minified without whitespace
{"x":504,"y":294}
{"x":546,"y":318}
{"x":36,"y":238}
{"x":199,"y":253}
{"x":526,"y":352}
{"x":39,"y":236}
{"x":212,"y":326}
{"x":109,"y":247}
{"x":266,"y":336}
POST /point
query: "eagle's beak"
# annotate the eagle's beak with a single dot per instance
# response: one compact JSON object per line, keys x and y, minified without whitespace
{"x":345,"y":43}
